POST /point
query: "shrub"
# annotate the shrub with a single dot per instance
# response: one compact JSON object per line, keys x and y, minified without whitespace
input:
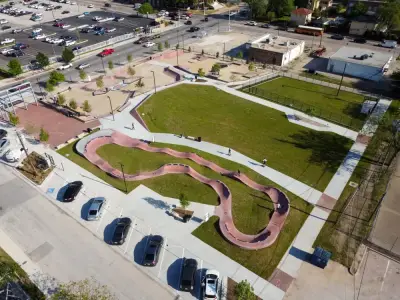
{"x":72,"y":104}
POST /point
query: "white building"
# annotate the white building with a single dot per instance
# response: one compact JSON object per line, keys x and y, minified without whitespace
{"x":361,"y":63}
{"x":275,"y":50}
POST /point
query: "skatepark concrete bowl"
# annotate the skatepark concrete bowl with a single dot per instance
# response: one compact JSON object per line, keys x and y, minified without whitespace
{"x":88,"y":146}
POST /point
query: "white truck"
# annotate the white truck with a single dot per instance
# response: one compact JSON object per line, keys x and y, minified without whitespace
{"x":389,"y":44}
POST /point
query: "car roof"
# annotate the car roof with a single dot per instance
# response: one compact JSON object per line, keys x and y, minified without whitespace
{"x":95,"y":203}
{"x":212,"y":272}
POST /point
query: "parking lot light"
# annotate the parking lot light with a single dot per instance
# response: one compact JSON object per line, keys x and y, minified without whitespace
{"x":154,"y":79}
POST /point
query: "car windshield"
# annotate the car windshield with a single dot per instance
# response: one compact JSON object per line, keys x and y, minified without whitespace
{"x":149,"y":256}
{"x":186,"y":282}
{"x":2,"y":142}
{"x":92,"y":212}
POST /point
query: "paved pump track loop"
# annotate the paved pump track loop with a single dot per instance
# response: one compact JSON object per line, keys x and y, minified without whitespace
{"x":89,"y":145}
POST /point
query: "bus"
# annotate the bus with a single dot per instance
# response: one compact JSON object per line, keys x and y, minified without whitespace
{"x":316,"y":31}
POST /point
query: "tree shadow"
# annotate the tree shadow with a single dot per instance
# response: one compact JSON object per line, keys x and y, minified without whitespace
{"x":326,"y":149}
{"x":354,"y":111}
{"x":138,"y":252}
{"x":174,"y":273}
{"x":109,"y":231}
{"x":157,"y":203}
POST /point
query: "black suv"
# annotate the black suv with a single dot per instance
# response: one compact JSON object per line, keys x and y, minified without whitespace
{"x":142,"y":40}
{"x":153,"y":250}
{"x":121,"y":231}
{"x":193,"y":29}
{"x":72,"y":191}
{"x":189,"y":269}
{"x":360,"y":40}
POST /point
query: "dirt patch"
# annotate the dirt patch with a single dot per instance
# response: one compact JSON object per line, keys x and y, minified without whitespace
{"x":32,"y":168}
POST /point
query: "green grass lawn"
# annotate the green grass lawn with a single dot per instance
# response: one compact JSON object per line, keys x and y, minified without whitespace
{"x":322,"y":77}
{"x":250,"y":208}
{"x":321,"y":101}
{"x":254,"y":130}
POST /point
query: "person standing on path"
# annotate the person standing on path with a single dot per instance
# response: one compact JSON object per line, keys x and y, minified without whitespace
{"x":229,"y":151}
{"x":133,"y":126}
{"x":264,"y":161}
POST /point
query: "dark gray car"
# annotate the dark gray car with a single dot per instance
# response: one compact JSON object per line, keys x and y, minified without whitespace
{"x":153,"y":250}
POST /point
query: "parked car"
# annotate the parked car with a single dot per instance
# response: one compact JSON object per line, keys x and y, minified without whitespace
{"x":194,"y":28}
{"x":119,"y":19}
{"x":69,"y":43}
{"x":210,"y":285}
{"x":16,"y":30}
{"x":63,"y":26}
{"x":188,"y":22}
{"x":266,"y":25}
{"x":107,"y":4}
{"x":87,"y":30}
{"x":39,"y":36}
{"x":13,"y":155}
{"x":3,"y":21}
{"x":96,"y":208}
{"x":337,"y":37}
{"x":388,"y":44}
{"x":64,"y":67}
{"x":37,"y":30}
{"x":80,"y":16}
{"x":57,"y":41}
{"x":5,"y":51}
{"x":360,"y":40}
{"x":153,"y":250}
{"x":106,"y":52}
{"x":65,"y":12}
{"x":19,"y":46}
{"x":148,"y":44}
{"x":156,"y":36}
{"x":189,"y":270}
{"x":7,"y":41}
{"x":121,"y":231}
{"x":251,"y":23}
{"x":108,"y":30}
{"x":4,"y":143}
{"x":76,"y":48}
{"x":141,"y":40}
{"x":90,"y":6}
{"x":83,"y":66}
{"x":73,"y":189}
{"x":100,"y":32}
{"x":58,"y":24}
{"x":5,"y":27}
{"x":3,"y":133}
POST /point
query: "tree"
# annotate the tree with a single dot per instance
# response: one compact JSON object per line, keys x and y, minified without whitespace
{"x":184,"y":202}
{"x":201,"y":72}
{"x":61,"y":100}
{"x":160,"y":46}
{"x":271,"y":16}
{"x":129,"y":58}
{"x":67,"y":55}
{"x":43,"y":135}
{"x":216,"y":68}
{"x":42,"y":59}
{"x":166,"y":44}
{"x":72,"y":104}
{"x":281,"y":7}
{"x":359,"y":9}
{"x":49,"y":87}
{"x":145,"y":8}
{"x":14,"y":67}
{"x":244,"y":291}
{"x":389,"y":15}
{"x":140,"y":83}
{"x":189,"y":49}
{"x":86,"y":106}
{"x":252,"y":67}
{"x":56,"y":77}
{"x":257,"y":7}
{"x":202,"y":51}
{"x":177,"y":47}
{"x":110,"y":64}
{"x":131,"y":71}
{"x":89,"y":289}
{"x":239,"y":55}
{"x":100,"y":82}
{"x":82,"y":74}
{"x":14,"y":119}
{"x":217,"y":54}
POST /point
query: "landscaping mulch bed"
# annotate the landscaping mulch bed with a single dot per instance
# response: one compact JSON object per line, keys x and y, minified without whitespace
{"x":37,"y":175}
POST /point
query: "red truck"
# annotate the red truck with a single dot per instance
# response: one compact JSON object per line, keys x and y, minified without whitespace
{"x":106,"y":52}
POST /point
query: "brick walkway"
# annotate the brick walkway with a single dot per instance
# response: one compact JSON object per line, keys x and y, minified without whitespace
{"x":59,"y":127}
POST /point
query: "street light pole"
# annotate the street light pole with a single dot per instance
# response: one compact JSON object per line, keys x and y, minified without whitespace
{"x":229,"y":24}
{"x":154,"y":79}
{"x":112,"y":110}
{"x":102,"y":61}
{"x":123,"y":176}
{"x":341,"y":80}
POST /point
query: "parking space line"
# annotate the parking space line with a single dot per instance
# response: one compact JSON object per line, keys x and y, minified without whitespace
{"x":201,"y":273}
{"x":162,"y":256}
{"x":130,"y":235}
{"x":384,"y":275}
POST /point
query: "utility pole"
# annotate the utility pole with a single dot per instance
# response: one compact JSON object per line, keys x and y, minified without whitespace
{"x":112,"y":110}
{"x":341,"y":80}
{"x":154,"y":79}
{"x":102,"y":61}
{"x":123,"y":176}
{"x":40,"y":88}
{"x":177,"y":61}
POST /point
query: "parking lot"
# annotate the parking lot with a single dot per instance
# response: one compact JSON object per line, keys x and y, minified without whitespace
{"x":127,"y":25}
{"x":175,"y":233}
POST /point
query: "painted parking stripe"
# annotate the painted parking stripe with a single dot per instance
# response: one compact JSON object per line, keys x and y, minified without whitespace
{"x":162,"y":256}
{"x":130,"y":235}
{"x":101,"y":219}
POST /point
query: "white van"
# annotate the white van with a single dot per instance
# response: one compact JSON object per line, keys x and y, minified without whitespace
{"x":389,"y":44}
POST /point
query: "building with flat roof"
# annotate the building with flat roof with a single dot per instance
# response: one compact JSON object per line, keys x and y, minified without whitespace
{"x":361,"y":63}
{"x":276,"y":50}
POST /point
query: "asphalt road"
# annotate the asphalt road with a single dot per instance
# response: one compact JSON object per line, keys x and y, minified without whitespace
{"x":63,"y":248}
